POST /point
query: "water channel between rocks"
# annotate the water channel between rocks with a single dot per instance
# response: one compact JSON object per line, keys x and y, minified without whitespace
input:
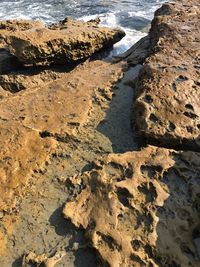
{"x":42,"y":228}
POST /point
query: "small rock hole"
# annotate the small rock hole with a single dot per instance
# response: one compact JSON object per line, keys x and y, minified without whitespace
{"x":153,"y":118}
{"x":171,"y":127}
{"x":189,"y":106}
{"x":190,"y":115}
{"x":189,"y":129}
{"x":148,"y":99}
{"x":182,"y":78}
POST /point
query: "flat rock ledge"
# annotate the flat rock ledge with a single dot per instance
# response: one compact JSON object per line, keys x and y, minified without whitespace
{"x":65,"y":42}
{"x":166,"y":108}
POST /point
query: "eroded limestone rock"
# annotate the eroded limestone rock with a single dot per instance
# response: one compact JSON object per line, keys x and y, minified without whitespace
{"x":8,"y":27}
{"x":166,"y":110}
{"x":140,"y":208}
{"x":43,"y":259}
{"x":9,"y":62}
{"x":65,"y":42}
{"x":52,"y":107}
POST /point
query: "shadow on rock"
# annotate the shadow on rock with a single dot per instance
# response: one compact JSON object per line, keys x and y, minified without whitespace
{"x":62,"y":226}
{"x":117,"y":124}
{"x":178,"y":229}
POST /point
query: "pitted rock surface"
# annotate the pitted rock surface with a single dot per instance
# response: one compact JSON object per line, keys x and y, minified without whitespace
{"x":51,"y":108}
{"x":140,"y":208}
{"x":9,"y":62}
{"x":8,"y":27}
{"x":66,"y":42}
{"x":166,"y":109}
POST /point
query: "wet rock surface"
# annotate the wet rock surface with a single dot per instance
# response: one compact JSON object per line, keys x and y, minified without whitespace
{"x":66,"y":197}
{"x":167,"y":106}
{"x":66,"y":42}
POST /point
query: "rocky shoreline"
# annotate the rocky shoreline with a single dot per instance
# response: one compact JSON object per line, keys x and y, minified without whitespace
{"x":79,"y":186}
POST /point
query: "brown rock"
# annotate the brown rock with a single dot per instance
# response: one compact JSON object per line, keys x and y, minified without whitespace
{"x":167,"y":108}
{"x":52,"y":107}
{"x":9,"y":62}
{"x":8,"y":27}
{"x":16,"y":81}
{"x":30,"y":127}
{"x":140,"y":208}
{"x":62,"y":43}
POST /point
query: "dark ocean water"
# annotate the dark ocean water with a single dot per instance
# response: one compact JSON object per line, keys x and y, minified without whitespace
{"x":133,"y":16}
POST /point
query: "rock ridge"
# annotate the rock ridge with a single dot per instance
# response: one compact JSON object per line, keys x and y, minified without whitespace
{"x":166,"y":108}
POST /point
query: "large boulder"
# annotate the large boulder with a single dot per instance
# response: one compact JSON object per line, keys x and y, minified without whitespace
{"x":66,"y":42}
{"x":166,"y":109}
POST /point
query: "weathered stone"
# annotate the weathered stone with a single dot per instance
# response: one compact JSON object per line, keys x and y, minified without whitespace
{"x":9,"y":62}
{"x":16,"y":81}
{"x":166,"y":110}
{"x":140,"y":208}
{"x":30,"y":126}
{"x":52,"y":108}
{"x":8,"y":27}
{"x":65,"y":42}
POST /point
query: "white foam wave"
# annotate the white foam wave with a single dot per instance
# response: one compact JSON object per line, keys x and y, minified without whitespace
{"x":110,"y":20}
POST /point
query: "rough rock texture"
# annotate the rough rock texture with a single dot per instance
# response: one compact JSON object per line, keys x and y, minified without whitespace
{"x":9,"y":62}
{"x":30,"y":127}
{"x":140,"y":208}
{"x":16,"y":81}
{"x":8,"y":27}
{"x":66,"y":42}
{"x":167,"y":108}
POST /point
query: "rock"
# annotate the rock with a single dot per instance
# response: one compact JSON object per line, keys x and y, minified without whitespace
{"x":8,"y":27}
{"x":9,"y":62}
{"x":43,"y":259}
{"x":140,"y":208}
{"x":16,"y":81}
{"x":166,"y":108}
{"x":34,"y":258}
{"x":1,"y":215}
{"x":30,"y":128}
{"x":62,"y":43}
